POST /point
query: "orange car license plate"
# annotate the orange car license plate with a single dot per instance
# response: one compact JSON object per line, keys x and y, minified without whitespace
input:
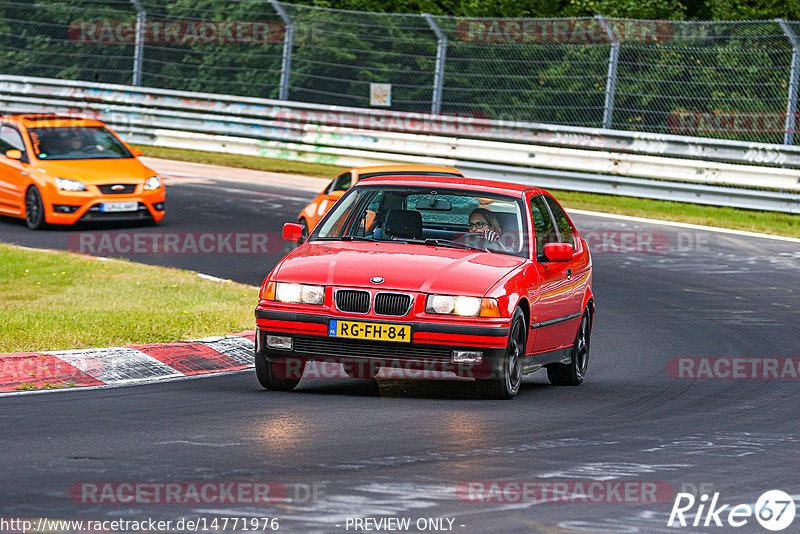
{"x":114,"y":207}
{"x":371,"y":331}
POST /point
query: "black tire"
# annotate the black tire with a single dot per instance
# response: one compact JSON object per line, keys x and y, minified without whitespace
{"x":274,"y":375}
{"x":506,"y":386}
{"x":571,"y":374}
{"x":34,"y":209}
{"x":304,"y":236}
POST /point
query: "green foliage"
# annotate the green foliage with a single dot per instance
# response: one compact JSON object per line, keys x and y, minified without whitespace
{"x":549,"y":71}
{"x":630,"y":9}
{"x":754,"y":9}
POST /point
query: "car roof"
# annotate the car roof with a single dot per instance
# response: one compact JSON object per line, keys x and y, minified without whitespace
{"x":405,"y":169}
{"x":455,"y":182}
{"x":50,"y":120}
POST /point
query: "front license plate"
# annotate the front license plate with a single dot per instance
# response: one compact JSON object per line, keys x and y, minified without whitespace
{"x":373,"y":331}
{"x":119,"y":206}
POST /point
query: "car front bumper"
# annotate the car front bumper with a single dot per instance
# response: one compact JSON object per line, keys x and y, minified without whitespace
{"x":69,"y":207}
{"x":433,"y":346}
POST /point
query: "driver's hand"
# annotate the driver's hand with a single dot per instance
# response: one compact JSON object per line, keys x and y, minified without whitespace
{"x":490,"y":235}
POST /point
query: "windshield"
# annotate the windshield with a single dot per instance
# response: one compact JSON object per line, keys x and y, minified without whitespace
{"x":429,"y":216}
{"x":72,"y":142}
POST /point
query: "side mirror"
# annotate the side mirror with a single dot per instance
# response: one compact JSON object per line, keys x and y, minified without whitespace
{"x":136,"y":151}
{"x":292,"y":232}
{"x":14,"y":154}
{"x":558,"y":251}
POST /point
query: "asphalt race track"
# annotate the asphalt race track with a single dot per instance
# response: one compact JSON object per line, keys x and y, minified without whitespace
{"x":672,"y":304}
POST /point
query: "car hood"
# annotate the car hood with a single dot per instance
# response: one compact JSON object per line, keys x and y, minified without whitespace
{"x":402,"y":266}
{"x":98,"y":171}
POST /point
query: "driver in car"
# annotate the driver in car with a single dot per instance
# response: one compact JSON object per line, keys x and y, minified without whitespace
{"x":484,"y":222}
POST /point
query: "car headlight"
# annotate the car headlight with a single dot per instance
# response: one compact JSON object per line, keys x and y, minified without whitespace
{"x":65,"y":184}
{"x":463,"y":306}
{"x":154,"y":182}
{"x":294,"y":293}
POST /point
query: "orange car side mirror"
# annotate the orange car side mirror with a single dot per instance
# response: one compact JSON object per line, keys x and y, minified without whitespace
{"x":136,"y":151}
{"x":14,"y":154}
{"x":558,"y":251}
{"x":292,"y":232}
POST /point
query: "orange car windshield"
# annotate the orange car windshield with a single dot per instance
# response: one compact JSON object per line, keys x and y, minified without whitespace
{"x":71,"y":142}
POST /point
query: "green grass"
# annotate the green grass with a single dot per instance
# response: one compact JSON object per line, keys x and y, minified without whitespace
{"x":768,"y":222}
{"x":60,"y":300}
{"x":244,"y":162}
{"x":754,"y":221}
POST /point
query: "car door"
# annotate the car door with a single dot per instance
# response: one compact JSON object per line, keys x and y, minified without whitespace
{"x":551,"y":312}
{"x":14,"y":173}
{"x":577,"y":270}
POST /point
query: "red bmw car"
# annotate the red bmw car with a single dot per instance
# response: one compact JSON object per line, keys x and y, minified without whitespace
{"x":487,"y":280}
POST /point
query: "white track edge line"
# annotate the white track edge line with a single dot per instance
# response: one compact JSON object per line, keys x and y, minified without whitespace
{"x":684,"y":225}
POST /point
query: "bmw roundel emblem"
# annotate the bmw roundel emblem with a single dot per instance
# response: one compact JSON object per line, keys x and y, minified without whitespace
{"x":376,"y":280}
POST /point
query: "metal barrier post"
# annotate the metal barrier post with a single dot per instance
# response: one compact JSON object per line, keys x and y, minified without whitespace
{"x":288,"y":41}
{"x":138,"y":49}
{"x":611,"y":79}
{"x":441,"y":54}
{"x":794,"y":73}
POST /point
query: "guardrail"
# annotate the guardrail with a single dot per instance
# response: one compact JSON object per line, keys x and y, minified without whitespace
{"x":669,"y":167}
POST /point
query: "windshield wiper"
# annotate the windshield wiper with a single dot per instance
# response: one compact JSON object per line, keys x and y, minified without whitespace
{"x":346,"y":238}
{"x":358,"y":238}
{"x":443,"y":242}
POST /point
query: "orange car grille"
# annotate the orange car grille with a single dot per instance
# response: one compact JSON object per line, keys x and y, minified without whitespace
{"x":117,"y":189}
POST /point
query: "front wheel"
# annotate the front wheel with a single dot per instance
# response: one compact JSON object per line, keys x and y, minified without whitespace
{"x":304,"y":235}
{"x":571,"y":374}
{"x":34,"y":209}
{"x":507,"y":384}
{"x":281,"y":375}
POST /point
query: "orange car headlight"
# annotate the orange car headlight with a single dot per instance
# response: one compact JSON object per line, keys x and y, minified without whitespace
{"x":154,"y":182}
{"x":65,"y":184}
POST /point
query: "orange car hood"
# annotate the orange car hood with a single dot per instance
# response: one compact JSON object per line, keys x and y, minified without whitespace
{"x":98,"y":171}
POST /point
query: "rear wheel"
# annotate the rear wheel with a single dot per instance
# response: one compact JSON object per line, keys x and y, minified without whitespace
{"x":571,"y":374}
{"x":34,"y":209}
{"x":281,"y":375}
{"x":507,"y":384}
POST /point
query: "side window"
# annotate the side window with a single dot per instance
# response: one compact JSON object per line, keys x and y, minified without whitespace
{"x":542,"y":224}
{"x":341,"y":183}
{"x":564,"y":227}
{"x":10,"y":139}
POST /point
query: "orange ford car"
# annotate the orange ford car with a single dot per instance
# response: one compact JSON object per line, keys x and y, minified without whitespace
{"x":312,"y":214}
{"x":61,"y":170}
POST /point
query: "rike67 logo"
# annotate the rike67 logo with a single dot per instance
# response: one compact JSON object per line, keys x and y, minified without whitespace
{"x":774,"y":510}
